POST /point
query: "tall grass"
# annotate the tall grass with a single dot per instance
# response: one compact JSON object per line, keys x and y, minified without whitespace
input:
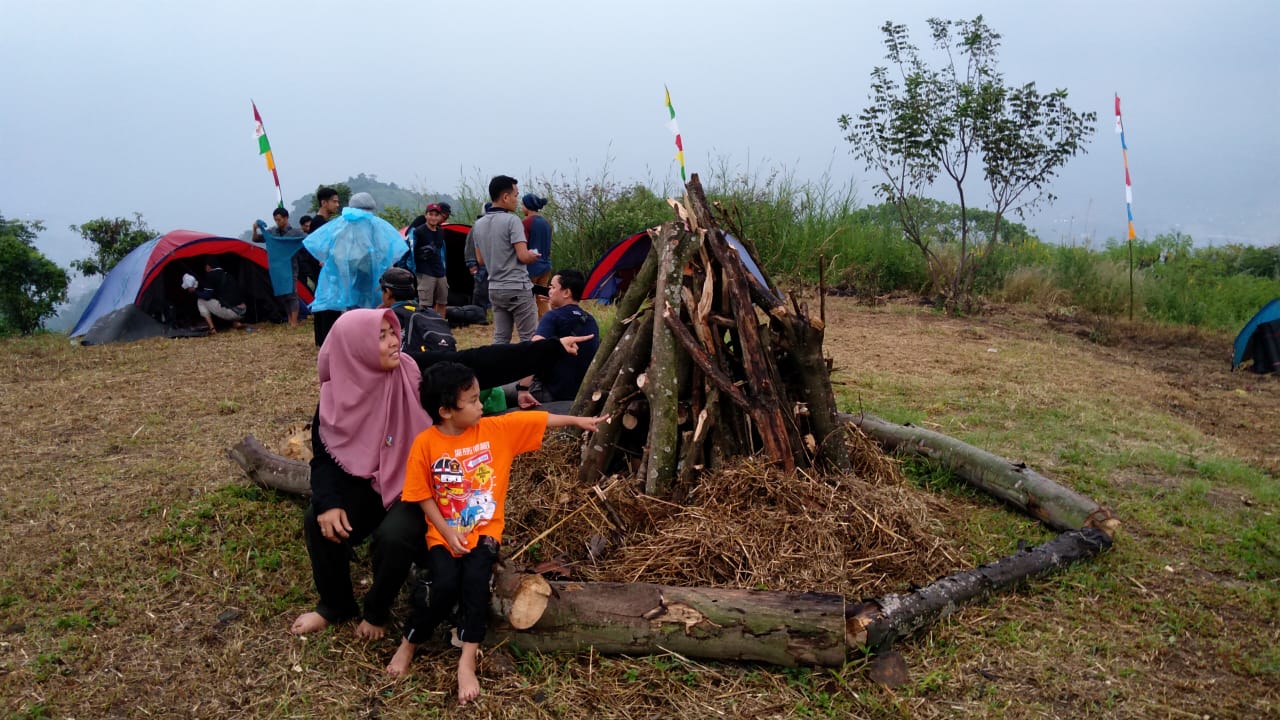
{"x":791,"y":224}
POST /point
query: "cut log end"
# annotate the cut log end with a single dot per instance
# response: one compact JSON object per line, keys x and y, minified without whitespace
{"x":529,"y":602}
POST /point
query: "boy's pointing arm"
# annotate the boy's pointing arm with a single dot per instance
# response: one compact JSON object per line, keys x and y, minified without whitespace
{"x":582,"y":423}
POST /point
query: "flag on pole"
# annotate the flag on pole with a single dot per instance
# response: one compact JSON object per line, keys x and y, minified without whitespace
{"x":264,"y":148}
{"x":1128,"y":186}
{"x":675,"y":130}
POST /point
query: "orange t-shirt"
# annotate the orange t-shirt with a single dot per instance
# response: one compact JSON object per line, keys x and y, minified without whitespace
{"x":467,"y":474}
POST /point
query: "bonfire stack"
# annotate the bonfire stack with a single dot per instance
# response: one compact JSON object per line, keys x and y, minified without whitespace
{"x":691,"y":374}
{"x":719,"y":389}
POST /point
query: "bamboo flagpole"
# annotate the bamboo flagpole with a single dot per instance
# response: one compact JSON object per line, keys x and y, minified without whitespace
{"x":1128,"y":198}
{"x":264,"y":148}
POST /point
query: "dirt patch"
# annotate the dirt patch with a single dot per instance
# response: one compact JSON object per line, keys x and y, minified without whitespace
{"x":1183,"y":371}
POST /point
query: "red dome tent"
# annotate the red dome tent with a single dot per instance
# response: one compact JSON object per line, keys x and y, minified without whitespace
{"x":142,"y":296}
{"x":618,"y":266}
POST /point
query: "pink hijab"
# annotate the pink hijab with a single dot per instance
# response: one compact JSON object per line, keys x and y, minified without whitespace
{"x":368,"y":416}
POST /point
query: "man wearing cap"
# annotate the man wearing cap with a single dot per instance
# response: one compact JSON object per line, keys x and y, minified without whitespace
{"x":445,"y":211}
{"x":538,"y":232}
{"x":426,"y":260}
{"x":398,"y":289}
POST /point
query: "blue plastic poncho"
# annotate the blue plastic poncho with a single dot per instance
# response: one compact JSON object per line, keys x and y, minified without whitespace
{"x":355,"y":249}
{"x":280,"y":250}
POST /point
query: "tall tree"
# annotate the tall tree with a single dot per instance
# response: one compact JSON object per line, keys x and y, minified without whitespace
{"x":927,"y":124}
{"x":112,"y":239}
{"x":31,"y":285}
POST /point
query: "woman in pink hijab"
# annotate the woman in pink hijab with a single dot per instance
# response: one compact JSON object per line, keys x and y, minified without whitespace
{"x":368,"y":416}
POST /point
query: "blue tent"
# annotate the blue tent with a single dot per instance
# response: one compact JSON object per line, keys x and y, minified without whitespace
{"x":1260,"y":340}
{"x":149,"y":278}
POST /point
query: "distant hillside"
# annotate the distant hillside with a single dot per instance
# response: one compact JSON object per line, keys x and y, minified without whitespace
{"x":385,"y":194}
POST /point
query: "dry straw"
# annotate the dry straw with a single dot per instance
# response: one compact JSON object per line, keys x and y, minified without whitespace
{"x":746,"y":525}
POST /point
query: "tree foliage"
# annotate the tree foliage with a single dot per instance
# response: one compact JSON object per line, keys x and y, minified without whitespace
{"x":112,"y":239}
{"x":941,"y":220}
{"x":928,"y":124}
{"x":344,"y":195}
{"x":31,"y":285}
{"x":398,"y":216}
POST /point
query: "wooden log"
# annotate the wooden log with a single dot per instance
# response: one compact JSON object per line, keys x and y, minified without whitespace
{"x":663,"y":383}
{"x":1056,"y":506}
{"x":692,"y":462}
{"x":700,"y":308}
{"x":598,"y":451}
{"x":595,"y":388}
{"x":704,"y":362}
{"x":782,"y":628}
{"x":874,"y":625}
{"x":269,"y":469}
{"x":528,"y":601}
{"x":775,"y":431}
{"x":805,"y":365}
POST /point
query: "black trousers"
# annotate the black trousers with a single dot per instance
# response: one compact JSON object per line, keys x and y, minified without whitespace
{"x":398,"y":538}
{"x":321,"y":322}
{"x":461,"y":581}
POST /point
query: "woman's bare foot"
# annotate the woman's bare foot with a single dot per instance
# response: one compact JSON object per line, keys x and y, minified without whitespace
{"x":468,"y":685}
{"x":366,"y":631}
{"x":399,"y":665}
{"x":308,"y":623}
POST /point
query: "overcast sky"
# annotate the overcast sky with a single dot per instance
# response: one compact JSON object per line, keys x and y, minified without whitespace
{"x":123,"y":106}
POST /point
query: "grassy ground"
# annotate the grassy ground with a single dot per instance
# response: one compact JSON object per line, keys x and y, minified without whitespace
{"x":144,"y":578}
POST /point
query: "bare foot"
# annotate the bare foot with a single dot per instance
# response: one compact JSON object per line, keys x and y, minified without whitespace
{"x":468,"y":685}
{"x":367,"y":631}
{"x":308,"y":623}
{"x":399,"y":665}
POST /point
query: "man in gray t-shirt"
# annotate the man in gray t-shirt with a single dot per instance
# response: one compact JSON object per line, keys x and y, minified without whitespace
{"x":502,"y":249}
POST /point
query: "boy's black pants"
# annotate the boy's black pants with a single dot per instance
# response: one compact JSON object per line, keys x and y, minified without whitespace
{"x":463,"y":581}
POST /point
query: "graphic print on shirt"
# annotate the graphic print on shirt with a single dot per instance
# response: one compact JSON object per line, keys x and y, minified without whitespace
{"x":464,"y":490}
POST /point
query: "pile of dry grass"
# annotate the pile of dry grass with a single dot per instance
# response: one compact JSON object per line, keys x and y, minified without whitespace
{"x":747,"y":525}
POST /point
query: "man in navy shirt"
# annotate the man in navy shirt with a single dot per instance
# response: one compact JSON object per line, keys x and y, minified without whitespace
{"x":566,"y":318}
{"x":426,"y":260}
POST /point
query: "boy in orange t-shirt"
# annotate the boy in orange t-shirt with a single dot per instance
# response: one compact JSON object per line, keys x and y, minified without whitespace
{"x":457,"y":471}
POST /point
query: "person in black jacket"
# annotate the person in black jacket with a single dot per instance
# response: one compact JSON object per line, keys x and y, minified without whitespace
{"x":368,"y":416}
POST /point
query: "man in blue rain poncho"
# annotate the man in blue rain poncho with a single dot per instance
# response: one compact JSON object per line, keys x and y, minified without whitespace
{"x":354,"y":249}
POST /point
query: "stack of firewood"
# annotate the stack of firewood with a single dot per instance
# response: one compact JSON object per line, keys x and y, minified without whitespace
{"x":707,"y":362}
